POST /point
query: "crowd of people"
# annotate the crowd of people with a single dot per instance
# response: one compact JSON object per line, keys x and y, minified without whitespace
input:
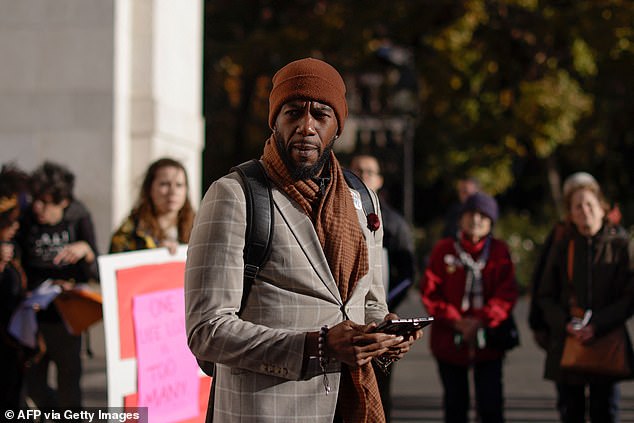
{"x":299,"y":342}
{"x":47,"y":238}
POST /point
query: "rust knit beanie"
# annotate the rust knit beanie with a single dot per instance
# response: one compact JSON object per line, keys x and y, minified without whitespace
{"x":309,"y":79}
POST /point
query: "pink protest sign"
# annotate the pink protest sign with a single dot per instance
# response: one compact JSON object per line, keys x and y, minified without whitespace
{"x":167,"y":373}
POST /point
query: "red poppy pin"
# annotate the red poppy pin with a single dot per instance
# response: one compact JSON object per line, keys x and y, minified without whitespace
{"x":374,"y":223}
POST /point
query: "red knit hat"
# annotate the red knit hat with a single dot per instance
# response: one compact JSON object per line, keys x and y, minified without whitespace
{"x":309,"y":79}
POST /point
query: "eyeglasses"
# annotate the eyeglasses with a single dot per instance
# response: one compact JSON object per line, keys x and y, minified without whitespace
{"x":368,"y":172}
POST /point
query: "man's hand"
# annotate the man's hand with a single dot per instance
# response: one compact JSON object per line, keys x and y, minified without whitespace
{"x":399,"y":350}
{"x":355,"y":346}
{"x":74,"y":252}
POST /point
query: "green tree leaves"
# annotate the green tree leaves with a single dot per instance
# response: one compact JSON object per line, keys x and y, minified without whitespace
{"x":513,"y":91}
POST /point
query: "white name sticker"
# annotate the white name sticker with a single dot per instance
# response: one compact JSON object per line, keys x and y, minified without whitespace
{"x":356,"y":199}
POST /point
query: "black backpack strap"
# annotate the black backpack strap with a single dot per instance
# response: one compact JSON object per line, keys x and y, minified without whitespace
{"x":259,"y":234}
{"x":257,"y":240}
{"x":209,"y":418}
{"x":357,"y":184}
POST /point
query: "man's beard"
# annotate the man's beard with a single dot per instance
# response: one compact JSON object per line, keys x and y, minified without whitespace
{"x":303,"y":172}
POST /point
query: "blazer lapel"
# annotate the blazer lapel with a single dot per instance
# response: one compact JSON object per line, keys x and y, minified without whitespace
{"x":304,"y":232}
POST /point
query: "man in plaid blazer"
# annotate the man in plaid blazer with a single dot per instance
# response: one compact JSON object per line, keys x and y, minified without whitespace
{"x":301,"y":348}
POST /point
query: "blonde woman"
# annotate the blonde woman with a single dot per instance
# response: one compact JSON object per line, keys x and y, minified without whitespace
{"x":593,"y":259}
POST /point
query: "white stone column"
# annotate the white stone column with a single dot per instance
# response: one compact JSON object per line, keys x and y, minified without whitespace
{"x":161,"y":88}
{"x":56,"y":93}
{"x":103,"y":87}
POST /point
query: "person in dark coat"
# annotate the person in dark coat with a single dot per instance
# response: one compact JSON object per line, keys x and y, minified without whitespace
{"x":57,"y":240}
{"x":12,"y":287}
{"x":536,"y":320}
{"x":399,"y":267}
{"x":397,"y":234}
{"x":596,"y":256}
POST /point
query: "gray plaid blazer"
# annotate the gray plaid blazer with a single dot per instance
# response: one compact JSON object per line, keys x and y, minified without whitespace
{"x":259,"y":355}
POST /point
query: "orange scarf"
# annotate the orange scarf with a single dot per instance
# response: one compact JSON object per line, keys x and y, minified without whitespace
{"x":337,"y":225}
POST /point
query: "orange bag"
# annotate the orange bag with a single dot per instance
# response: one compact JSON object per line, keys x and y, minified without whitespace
{"x":606,"y":355}
{"x":79,"y":308}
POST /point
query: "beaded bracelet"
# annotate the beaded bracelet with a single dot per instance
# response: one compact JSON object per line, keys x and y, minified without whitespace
{"x":323,"y":360}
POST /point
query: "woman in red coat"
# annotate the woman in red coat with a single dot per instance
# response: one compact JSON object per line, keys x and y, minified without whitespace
{"x":469,"y":286}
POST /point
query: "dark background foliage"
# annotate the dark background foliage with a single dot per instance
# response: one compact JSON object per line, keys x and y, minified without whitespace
{"x":519,"y":93}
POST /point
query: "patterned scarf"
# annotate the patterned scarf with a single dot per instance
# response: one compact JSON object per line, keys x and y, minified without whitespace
{"x":473,"y":294}
{"x":335,"y":220}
